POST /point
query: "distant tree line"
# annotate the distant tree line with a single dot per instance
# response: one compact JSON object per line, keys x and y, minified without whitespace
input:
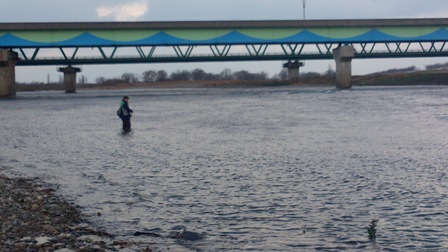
{"x":152,"y":76}
{"x":437,"y":67}
{"x":197,"y":74}
{"x":397,"y":70}
{"x":433,"y":67}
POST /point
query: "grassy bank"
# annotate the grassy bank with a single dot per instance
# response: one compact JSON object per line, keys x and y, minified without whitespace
{"x":397,"y":79}
{"x":415,"y":78}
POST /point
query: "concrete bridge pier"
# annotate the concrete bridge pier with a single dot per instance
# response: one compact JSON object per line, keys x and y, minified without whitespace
{"x":8,"y":60}
{"x":70,"y":78}
{"x":293,"y":70}
{"x":343,"y":56}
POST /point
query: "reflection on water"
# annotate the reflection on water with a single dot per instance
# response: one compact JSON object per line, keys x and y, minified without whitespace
{"x":272,"y":169}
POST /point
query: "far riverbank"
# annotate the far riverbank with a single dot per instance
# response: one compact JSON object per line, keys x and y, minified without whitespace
{"x":396,"y":79}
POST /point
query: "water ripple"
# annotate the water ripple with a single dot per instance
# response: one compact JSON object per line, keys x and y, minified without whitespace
{"x":252,"y":169}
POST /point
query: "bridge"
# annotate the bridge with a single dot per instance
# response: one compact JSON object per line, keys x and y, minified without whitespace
{"x":71,"y":44}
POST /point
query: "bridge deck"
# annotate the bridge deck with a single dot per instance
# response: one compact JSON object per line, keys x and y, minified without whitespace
{"x":262,"y":40}
{"x":27,"y":35}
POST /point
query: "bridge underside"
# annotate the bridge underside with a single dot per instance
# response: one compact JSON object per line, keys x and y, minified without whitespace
{"x":211,"y":53}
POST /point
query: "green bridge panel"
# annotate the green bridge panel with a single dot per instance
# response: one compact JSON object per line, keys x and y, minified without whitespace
{"x":41,"y":35}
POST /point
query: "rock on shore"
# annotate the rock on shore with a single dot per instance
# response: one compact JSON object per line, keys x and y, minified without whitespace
{"x":33,"y":218}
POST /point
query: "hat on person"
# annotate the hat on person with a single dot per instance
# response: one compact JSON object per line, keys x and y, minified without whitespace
{"x":125,"y":97}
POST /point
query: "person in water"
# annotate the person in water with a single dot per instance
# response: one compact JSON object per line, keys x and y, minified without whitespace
{"x":126,"y":113}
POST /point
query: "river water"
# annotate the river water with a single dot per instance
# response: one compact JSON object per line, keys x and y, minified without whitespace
{"x":262,"y":169}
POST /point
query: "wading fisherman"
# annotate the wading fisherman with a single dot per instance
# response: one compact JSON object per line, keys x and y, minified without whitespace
{"x":125,"y":113}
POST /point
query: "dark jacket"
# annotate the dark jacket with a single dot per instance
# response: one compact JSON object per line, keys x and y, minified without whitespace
{"x":126,"y":112}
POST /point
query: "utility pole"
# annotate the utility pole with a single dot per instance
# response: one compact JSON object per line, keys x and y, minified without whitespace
{"x":304,"y":3}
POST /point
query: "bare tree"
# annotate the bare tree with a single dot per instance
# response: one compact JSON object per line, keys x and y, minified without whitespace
{"x":227,"y":74}
{"x":82,"y":79}
{"x":181,"y":75}
{"x":263,"y":75}
{"x":330,"y":72}
{"x":198,"y":74}
{"x":310,"y":75}
{"x":283,"y":75}
{"x":100,"y":80}
{"x":245,"y":75}
{"x":149,"y":76}
{"x":162,"y":75}
{"x":242,"y":75}
{"x":130,"y":78}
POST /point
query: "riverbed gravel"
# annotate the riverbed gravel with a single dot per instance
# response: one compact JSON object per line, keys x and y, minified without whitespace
{"x":34,"y":218}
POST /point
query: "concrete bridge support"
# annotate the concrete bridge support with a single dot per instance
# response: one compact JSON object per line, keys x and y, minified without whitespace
{"x":293,"y":70}
{"x":343,"y":56}
{"x":8,"y":60}
{"x":70,"y":78}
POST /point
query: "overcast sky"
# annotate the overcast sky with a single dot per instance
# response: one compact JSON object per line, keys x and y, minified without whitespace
{"x":180,"y":10}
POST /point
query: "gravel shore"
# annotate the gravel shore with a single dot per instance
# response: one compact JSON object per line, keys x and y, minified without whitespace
{"x":33,"y":218}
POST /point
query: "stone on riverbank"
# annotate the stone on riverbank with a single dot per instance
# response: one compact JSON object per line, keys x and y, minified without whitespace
{"x":33,"y":218}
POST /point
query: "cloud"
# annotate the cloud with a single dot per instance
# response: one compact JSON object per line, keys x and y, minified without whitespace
{"x":124,"y":12}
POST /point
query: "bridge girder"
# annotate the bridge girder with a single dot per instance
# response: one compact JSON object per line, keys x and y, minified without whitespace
{"x":227,"y":52}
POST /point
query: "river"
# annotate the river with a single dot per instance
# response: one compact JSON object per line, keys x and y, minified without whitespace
{"x":261,"y":169}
